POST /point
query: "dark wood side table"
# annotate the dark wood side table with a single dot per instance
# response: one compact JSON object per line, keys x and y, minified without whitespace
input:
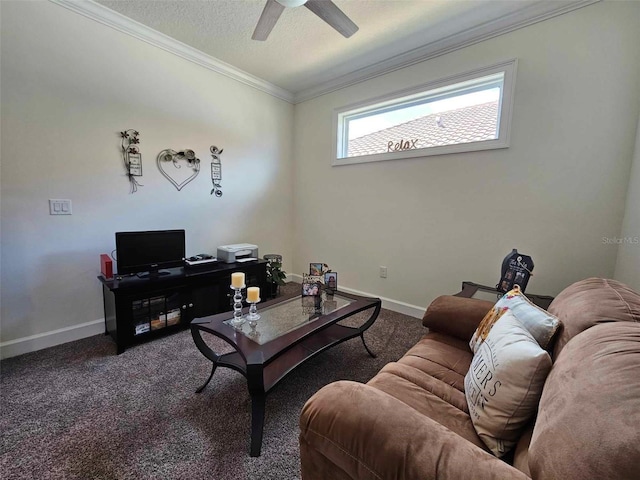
{"x":475,"y":290}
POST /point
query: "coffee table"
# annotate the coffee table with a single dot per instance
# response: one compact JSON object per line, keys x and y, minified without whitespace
{"x":291,"y":330}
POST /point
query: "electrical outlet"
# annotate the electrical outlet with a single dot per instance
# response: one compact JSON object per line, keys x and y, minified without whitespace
{"x":383,"y":272}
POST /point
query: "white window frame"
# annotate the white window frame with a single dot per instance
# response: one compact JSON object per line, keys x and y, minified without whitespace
{"x":438,"y":88}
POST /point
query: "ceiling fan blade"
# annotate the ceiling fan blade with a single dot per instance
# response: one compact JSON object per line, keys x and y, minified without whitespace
{"x":270,"y":15}
{"x":330,"y":13}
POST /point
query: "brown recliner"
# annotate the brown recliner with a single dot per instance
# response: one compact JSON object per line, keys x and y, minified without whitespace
{"x":411,"y":421}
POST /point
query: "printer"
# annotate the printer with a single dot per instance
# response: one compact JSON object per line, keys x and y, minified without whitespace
{"x":239,"y":252}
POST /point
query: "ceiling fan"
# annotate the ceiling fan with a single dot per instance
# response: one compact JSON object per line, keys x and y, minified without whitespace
{"x":325,"y":9}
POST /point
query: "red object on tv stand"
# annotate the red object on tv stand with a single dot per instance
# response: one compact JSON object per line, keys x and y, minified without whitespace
{"x":106,"y":265}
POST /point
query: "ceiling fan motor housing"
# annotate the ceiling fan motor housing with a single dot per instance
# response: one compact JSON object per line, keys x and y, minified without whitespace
{"x":291,"y":3}
{"x":325,"y":9}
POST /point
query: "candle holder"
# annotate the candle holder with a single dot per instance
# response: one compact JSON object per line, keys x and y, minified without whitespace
{"x":237,"y":319}
{"x":253,"y":316}
{"x":253,"y":297}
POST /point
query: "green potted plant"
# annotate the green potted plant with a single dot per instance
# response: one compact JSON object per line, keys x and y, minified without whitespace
{"x":275,"y":275}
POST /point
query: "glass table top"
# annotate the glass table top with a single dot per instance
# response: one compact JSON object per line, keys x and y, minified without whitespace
{"x":284,"y":317}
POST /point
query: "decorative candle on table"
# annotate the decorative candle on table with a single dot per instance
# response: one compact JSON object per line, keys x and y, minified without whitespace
{"x":253,"y":294}
{"x":253,"y":297}
{"x":237,"y":284}
{"x":237,"y":280}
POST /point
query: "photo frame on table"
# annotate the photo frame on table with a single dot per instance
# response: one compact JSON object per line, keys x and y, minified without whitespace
{"x":331,"y":282}
{"x":315,"y":268}
{"x":311,"y":285}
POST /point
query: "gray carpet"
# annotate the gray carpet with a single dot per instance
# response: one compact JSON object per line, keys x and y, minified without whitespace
{"x":79,"y":411}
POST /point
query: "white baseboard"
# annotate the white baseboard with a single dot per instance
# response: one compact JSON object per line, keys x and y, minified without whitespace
{"x":415,"y":311}
{"x":39,"y":341}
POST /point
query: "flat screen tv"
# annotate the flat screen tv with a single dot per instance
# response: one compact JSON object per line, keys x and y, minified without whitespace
{"x":146,"y":253}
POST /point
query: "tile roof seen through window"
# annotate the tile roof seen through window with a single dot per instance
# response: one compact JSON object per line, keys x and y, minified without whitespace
{"x":463,"y":125}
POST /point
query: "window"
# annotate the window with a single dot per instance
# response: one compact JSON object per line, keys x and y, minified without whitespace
{"x":465,"y":113}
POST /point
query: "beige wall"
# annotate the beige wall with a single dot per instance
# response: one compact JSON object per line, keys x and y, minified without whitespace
{"x":69,"y":85}
{"x":628,"y":261}
{"x":436,"y":221}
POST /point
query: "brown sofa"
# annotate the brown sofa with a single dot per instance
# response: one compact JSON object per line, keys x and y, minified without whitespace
{"x":411,"y":421}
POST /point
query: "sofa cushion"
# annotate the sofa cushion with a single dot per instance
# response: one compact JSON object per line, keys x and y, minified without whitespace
{"x":441,"y":356}
{"x":592,"y":301}
{"x":428,"y":396}
{"x":430,"y":379}
{"x":541,"y":324}
{"x":351,"y":430}
{"x":588,"y":426}
{"x":504,"y":383}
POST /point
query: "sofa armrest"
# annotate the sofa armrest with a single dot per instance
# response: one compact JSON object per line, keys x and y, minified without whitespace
{"x":456,"y":316}
{"x":354,"y":431}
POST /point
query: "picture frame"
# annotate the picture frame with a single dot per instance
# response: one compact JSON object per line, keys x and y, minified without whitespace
{"x":315,"y":268}
{"x":314,"y":279}
{"x":311,"y":286}
{"x":331,"y":282}
{"x":134,"y":162}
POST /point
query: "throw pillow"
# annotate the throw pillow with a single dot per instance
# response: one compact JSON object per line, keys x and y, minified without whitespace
{"x":540,"y":323}
{"x":504,"y":383}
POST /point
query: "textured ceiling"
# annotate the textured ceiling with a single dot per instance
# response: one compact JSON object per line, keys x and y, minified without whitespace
{"x":302,"y":51}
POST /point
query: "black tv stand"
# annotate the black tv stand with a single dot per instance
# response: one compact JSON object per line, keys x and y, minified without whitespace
{"x":138,"y":308}
{"x":153,"y":274}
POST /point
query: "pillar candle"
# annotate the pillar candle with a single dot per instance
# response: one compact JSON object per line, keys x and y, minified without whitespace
{"x":253,"y":294}
{"x":237,"y":280}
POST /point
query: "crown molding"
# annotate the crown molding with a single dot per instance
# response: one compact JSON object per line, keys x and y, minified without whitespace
{"x":535,"y":13}
{"x":110,"y":18}
{"x":527,"y":16}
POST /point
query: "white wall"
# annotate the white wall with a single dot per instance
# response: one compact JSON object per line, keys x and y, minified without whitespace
{"x":628,"y":261}
{"x":436,"y":221}
{"x":69,"y":85}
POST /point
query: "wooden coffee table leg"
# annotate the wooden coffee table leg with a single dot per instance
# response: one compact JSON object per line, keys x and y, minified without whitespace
{"x":257,"y":423}
{"x":367,"y":324}
{"x":206,"y":351}
{"x":213,"y":370}
{"x":365,"y":346}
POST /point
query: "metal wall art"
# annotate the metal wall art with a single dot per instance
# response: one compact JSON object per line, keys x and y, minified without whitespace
{"x":178,"y":167}
{"x":216,"y":170}
{"x":132,"y":157}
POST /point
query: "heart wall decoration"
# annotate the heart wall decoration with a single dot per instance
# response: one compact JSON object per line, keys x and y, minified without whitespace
{"x":178,"y":167}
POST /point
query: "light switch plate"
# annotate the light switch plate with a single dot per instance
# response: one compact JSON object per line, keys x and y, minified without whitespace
{"x":59,"y":207}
